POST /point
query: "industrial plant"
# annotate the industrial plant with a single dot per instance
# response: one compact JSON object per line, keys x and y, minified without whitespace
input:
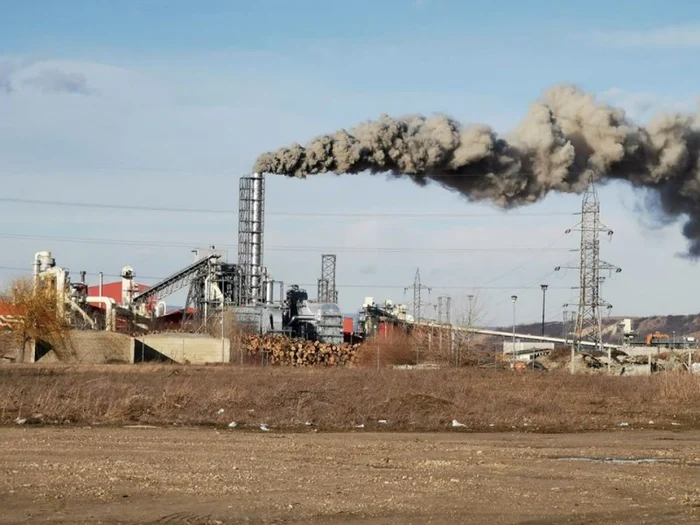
{"x":244,"y":293}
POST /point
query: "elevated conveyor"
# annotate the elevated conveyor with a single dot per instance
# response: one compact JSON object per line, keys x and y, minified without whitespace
{"x":176,"y":281}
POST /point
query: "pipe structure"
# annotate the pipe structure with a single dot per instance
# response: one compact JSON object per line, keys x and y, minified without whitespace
{"x":36,"y":266}
{"x":101,"y":285}
{"x":269,"y":291}
{"x":525,"y":337}
{"x":110,"y":311}
{"x":42,"y":262}
{"x":127,"y":286}
{"x":258,"y":211}
{"x":161,"y":309}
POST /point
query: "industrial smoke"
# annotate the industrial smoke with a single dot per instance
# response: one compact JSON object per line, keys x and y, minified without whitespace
{"x":567,"y":138}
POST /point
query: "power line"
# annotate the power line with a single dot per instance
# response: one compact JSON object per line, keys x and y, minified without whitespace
{"x":361,"y":249}
{"x":349,"y":285}
{"x":130,"y":207}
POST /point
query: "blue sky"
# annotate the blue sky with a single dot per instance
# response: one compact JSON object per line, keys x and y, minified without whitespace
{"x":166,"y":103}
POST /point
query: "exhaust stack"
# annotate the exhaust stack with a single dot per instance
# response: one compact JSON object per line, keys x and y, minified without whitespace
{"x":251,"y":209}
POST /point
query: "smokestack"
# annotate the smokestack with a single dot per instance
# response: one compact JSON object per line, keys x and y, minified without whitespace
{"x":258,"y":205}
{"x":566,"y":139}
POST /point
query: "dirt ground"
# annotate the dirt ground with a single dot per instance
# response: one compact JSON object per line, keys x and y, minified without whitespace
{"x":186,"y":476}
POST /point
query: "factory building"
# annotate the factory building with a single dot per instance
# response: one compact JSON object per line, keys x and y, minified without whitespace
{"x":214,"y":286}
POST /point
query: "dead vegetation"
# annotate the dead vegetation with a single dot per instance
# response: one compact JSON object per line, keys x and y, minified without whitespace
{"x":341,"y":399}
{"x":37,"y":318}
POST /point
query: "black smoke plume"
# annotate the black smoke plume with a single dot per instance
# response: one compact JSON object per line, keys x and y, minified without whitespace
{"x":566,"y":139}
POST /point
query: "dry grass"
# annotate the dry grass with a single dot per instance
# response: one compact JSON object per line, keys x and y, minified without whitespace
{"x":38,"y":317}
{"x":397,"y":348}
{"x":338,"y":399}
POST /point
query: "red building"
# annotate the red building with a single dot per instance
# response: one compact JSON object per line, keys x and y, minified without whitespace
{"x":113,"y":291}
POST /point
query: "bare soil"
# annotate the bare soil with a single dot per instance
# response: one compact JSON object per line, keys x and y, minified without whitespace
{"x":176,"y":476}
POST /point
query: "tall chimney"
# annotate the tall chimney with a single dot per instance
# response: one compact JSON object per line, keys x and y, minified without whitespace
{"x":258,"y":209}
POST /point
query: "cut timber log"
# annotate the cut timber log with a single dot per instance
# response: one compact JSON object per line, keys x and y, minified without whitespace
{"x":284,"y":351}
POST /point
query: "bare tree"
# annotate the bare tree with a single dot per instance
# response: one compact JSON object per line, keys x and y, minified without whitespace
{"x":468,"y":347}
{"x":38,"y":317}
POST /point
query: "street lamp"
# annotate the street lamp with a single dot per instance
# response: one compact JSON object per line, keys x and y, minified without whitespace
{"x":513,"y":298}
{"x":544,"y":293}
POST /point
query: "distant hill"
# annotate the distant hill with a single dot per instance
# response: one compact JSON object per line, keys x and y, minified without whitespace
{"x":682,"y":325}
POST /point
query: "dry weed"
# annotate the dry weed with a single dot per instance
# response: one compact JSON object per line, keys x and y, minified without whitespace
{"x":338,"y":399}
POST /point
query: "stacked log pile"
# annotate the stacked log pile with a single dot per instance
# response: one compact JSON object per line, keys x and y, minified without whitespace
{"x":281,"y":350}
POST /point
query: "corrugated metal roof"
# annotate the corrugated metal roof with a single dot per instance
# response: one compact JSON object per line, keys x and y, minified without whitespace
{"x":9,"y":309}
{"x":114,"y":290}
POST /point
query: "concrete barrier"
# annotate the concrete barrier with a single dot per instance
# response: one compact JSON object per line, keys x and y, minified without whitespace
{"x":182,"y":348}
{"x":89,"y":346}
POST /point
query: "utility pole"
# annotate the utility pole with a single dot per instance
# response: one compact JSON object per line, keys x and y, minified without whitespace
{"x":470,"y":321}
{"x":444,"y":306}
{"x":513,"y":298}
{"x":588,"y":324}
{"x":544,"y":293}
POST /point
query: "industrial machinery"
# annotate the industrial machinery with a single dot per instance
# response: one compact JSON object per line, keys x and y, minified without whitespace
{"x":374,"y":319}
{"x":656,"y":339}
{"x":214,"y":286}
{"x":292,"y":313}
{"x":72,"y":300}
{"x":311,"y":319}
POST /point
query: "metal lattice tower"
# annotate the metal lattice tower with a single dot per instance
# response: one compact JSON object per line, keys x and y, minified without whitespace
{"x":588,"y":324}
{"x":568,"y":321}
{"x":444,"y":307}
{"x":327,"y":292}
{"x":251,"y":212}
{"x":417,"y":302}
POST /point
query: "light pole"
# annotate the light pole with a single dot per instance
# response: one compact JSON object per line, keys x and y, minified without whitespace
{"x":544,"y":293}
{"x":513,"y":298}
{"x":469,"y":325}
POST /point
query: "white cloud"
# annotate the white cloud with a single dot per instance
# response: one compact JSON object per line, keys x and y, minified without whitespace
{"x":640,"y":105}
{"x":57,"y":81}
{"x":671,"y":37}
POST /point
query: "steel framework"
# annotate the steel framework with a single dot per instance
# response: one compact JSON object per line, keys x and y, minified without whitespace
{"x":444,"y":307}
{"x":568,"y":318}
{"x":418,"y":304}
{"x":177,"y":281}
{"x":251,"y":212}
{"x":588,"y":324}
{"x":327,"y":292}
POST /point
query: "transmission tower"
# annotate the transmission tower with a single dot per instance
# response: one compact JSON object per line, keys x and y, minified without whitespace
{"x":444,"y":306}
{"x":417,"y":289}
{"x":327,"y":292}
{"x":569,"y":316}
{"x":588,"y":323}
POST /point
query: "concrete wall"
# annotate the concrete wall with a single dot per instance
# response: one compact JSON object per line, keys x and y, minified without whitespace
{"x":183,"y":348}
{"x":90,"y":346}
{"x":10,"y":347}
